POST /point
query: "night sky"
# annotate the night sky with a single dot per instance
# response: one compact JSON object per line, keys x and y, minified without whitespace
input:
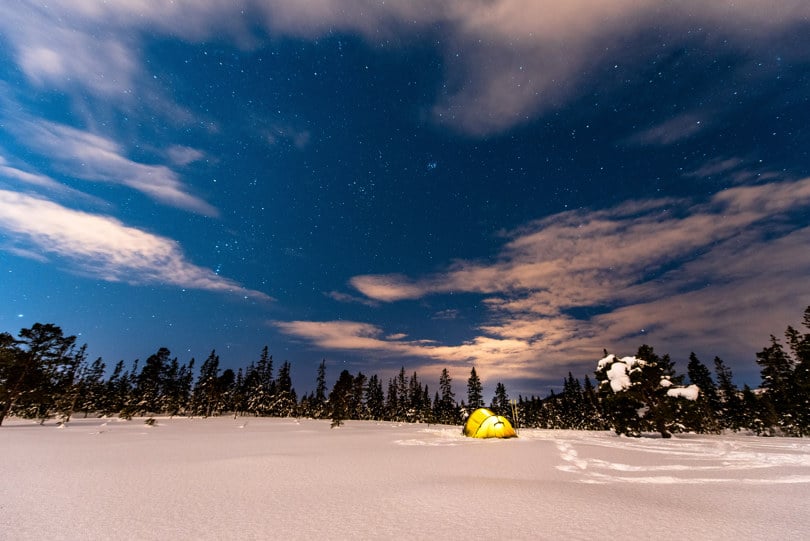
{"x":509,"y":184}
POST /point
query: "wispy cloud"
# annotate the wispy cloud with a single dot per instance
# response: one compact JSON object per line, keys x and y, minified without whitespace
{"x":92,"y":157}
{"x":716,"y":167}
{"x":491,"y":356}
{"x":672,"y":131}
{"x":505,"y":61}
{"x":716,"y":276}
{"x":103,"y":247}
{"x":14,"y":177}
{"x":450,"y":313}
{"x":345,"y":297}
{"x":183,"y":155}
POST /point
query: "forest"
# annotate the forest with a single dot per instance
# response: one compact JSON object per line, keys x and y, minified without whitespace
{"x":45,"y":374}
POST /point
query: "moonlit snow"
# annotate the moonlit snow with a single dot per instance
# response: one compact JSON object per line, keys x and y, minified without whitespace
{"x":262,"y":478}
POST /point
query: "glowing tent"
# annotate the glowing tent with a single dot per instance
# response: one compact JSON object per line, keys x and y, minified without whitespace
{"x":485,"y":424}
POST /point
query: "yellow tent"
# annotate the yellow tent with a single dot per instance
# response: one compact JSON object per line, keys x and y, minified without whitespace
{"x":485,"y":424}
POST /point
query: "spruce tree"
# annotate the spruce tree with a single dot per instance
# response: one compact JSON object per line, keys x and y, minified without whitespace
{"x":150,"y":382}
{"x":415,"y":395}
{"x":403,"y":404}
{"x":777,"y":375}
{"x":500,"y":402}
{"x":392,"y":401}
{"x":731,"y":407}
{"x":571,"y":404}
{"x":286,"y":397}
{"x":702,"y":415}
{"x":340,"y":398}
{"x":319,"y":400}
{"x":448,"y":411}
{"x":207,"y":389}
{"x":800,"y":385}
{"x":590,"y":407}
{"x":475,"y":391}
{"x":92,"y":389}
{"x":357,"y":406}
{"x":375,"y":398}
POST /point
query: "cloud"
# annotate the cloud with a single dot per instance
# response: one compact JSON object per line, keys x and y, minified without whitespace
{"x":182,"y":155}
{"x":91,"y":157}
{"x":450,"y":313}
{"x":505,"y":61}
{"x":17,"y":178}
{"x":103,"y":247}
{"x":345,"y":297}
{"x":672,"y":131}
{"x":716,"y":167}
{"x":388,"y":288}
{"x":608,"y":250}
{"x":491,"y":356}
{"x":716,"y":276}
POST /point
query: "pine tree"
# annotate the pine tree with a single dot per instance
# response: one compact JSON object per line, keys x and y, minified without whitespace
{"x":701,"y":416}
{"x":427,"y":406}
{"x":447,"y":409}
{"x":644,"y":404}
{"x":403,"y":398}
{"x":777,"y":375}
{"x":415,"y":394}
{"x":590,"y":407}
{"x":375,"y":399}
{"x":319,"y":400}
{"x":357,"y":406}
{"x":206,"y":390}
{"x":239,"y":396}
{"x":759,"y":414}
{"x":475,"y":391}
{"x":800,"y":385}
{"x":571,"y":404}
{"x":92,"y":389}
{"x":150,"y":382}
{"x":286,"y":398}
{"x":731,"y":414}
{"x":226,"y":391}
{"x":392,"y":401}
{"x":340,"y":398}
{"x":129,"y":399}
{"x":42,"y":366}
{"x":186,"y":380}
{"x":500,"y":402}
{"x":260,"y":387}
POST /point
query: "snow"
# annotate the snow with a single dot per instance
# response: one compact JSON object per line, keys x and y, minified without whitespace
{"x":689,"y":392}
{"x":605,"y":361}
{"x":619,"y":372}
{"x":618,"y":377}
{"x":261,"y":478}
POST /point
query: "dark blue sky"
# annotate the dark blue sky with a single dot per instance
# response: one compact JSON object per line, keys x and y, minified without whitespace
{"x":514,"y":185}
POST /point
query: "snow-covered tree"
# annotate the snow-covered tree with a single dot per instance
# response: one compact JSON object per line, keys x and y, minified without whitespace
{"x":640,"y":393}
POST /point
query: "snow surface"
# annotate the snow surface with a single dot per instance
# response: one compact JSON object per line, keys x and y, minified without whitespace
{"x":251,"y":478}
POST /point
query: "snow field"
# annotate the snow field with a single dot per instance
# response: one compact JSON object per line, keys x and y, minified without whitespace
{"x":252,"y":478}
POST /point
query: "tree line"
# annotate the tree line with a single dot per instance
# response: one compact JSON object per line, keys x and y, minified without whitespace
{"x":46,"y":374}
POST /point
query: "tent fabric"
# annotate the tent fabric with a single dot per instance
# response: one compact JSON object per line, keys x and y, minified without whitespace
{"x":483,"y":423}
